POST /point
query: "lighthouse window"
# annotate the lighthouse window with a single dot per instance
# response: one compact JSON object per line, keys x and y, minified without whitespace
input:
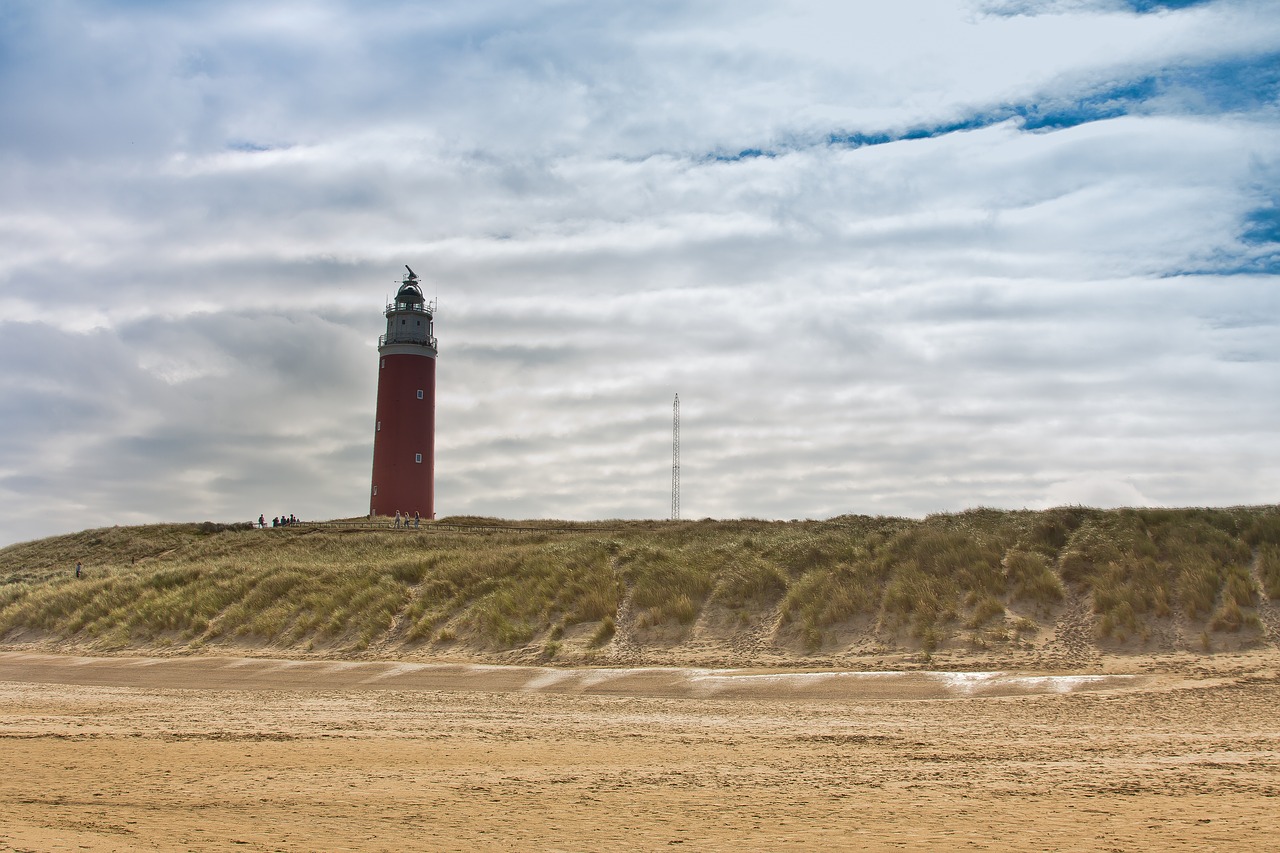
{"x":375,"y":490}
{"x":384,"y":363}
{"x":379,"y":428}
{"x":417,"y":457}
{"x":419,"y":393}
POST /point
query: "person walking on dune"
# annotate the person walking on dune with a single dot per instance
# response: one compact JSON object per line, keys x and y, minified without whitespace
{"x":78,"y":568}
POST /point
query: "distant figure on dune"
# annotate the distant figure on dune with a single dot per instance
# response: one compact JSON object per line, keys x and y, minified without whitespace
{"x":77,"y":568}
{"x":415,"y":519}
{"x":262,"y":521}
{"x":397,"y":522}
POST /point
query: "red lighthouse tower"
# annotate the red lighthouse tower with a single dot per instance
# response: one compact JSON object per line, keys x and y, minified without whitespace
{"x":404,"y":436}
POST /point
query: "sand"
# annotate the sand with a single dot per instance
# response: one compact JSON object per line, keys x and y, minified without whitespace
{"x":261,"y":754}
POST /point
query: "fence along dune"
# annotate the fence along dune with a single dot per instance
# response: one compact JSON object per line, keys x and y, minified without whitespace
{"x":1009,"y":584}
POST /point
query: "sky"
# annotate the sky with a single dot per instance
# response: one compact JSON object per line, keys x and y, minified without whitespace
{"x":895,"y":258}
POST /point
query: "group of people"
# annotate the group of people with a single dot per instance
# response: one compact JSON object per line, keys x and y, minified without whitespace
{"x":402,"y":519}
{"x":405,"y":521}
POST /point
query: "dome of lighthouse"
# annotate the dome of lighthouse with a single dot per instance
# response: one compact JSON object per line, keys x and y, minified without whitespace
{"x":409,"y":294}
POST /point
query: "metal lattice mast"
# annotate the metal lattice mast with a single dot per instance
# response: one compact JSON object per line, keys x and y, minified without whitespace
{"x":675,"y":459}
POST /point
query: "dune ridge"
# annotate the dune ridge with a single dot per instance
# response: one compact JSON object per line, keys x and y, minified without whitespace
{"x":1070,"y":589}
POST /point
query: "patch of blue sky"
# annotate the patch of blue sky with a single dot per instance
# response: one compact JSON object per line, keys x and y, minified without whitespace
{"x":249,"y":147}
{"x":1226,"y":264}
{"x":1256,"y":253}
{"x":1144,"y":7}
{"x":745,"y":154}
{"x":1029,"y":8}
{"x":1237,"y":85}
{"x":1232,"y":85}
{"x":1262,"y":227}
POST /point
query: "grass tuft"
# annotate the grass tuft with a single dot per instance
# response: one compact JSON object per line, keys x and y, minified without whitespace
{"x":1268,"y":570}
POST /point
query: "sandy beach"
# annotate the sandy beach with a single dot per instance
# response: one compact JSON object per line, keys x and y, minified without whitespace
{"x":271,"y":754}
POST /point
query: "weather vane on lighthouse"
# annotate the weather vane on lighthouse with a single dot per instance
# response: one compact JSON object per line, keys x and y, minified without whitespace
{"x":405,"y":421}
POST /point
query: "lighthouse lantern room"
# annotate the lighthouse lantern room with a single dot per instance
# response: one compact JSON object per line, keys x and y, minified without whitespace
{"x":405,"y":428}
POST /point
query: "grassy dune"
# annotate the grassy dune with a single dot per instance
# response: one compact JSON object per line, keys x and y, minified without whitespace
{"x":983,"y":580}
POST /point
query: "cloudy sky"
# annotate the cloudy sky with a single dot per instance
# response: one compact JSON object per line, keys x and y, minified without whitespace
{"x":895,"y":258}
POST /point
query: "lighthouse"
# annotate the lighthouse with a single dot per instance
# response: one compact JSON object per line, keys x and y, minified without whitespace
{"x":404,"y":433}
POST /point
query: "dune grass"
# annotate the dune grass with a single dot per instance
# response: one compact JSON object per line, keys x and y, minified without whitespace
{"x":984,"y":574}
{"x":1269,"y":569}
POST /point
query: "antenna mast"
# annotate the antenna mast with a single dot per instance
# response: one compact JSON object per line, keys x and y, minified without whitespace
{"x":675,"y":459}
